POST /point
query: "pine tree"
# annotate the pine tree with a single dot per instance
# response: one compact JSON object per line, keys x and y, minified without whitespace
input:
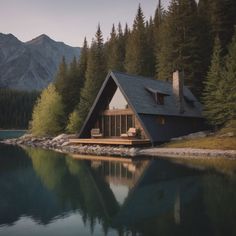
{"x":48,"y":115}
{"x":73,"y":123}
{"x":95,"y":75}
{"x":121,"y":45}
{"x":112,"y":51}
{"x":229,"y":84}
{"x":83,"y":60}
{"x":179,"y":47}
{"x":71,"y":88}
{"x":213,"y":95}
{"x":61,"y":75}
{"x":221,"y":17}
{"x":150,"y":48}
{"x":220,"y":89}
{"x":136,"y":56}
{"x":158,"y":20}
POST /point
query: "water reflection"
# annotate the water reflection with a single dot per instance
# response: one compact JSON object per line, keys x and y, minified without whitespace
{"x":113,"y":197}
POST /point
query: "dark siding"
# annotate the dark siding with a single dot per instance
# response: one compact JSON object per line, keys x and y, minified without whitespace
{"x":173,"y":127}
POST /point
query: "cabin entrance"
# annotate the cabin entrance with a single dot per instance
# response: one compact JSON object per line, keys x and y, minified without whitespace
{"x":115,"y":125}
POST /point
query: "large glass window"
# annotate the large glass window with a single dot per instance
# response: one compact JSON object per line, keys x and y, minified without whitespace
{"x":118,"y":125}
{"x":118,"y":101}
{"x":115,"y":125}
{"x":123,"y":124}
{"x":130,"y":122}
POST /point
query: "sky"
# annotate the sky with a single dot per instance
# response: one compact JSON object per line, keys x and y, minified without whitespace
{"x":69,"y":21}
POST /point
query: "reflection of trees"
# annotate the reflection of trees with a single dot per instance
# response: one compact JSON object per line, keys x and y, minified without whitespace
{"x":165,"y":198}
{"x":165,"y":201}
{"x":21,"y":190}
{"x":76,"y":185}
{"x":220,"y":203}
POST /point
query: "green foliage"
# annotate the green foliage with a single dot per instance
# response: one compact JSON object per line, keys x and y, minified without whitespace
{"x":221,"y":17}
{"x":73,"y":122}
{"x":82,"y":65}
{"x":178,"y":38}
{"x":95,"y":75}
{"x":179,"y":43}
{"x":61,"y":76}
{"x":68,"y":83}
{"x":16,"y":108}
{"x":150,"y":48}
{"x":48,"y":114}
{"x":213,"y":92}
{"x":229,"y":84}
{"x":220,"y":87}
{"x":136,"y":54}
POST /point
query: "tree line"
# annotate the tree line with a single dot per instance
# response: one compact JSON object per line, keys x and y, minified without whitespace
{"x":16,"y":108}
{"x":181,"y":37}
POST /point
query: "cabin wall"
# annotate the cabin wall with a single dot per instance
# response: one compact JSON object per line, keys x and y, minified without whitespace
{"x":106,"y":116}
{"x":163,"y":128}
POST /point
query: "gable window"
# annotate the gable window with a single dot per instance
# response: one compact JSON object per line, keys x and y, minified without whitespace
{"x":158,"y":96}
{"x":118,"y":101}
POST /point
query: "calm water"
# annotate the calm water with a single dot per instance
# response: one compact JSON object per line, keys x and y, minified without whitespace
{"x":46,"y":193}
{"x":4,"y":134}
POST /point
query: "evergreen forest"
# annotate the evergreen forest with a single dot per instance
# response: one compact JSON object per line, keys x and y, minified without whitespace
{"x":16,"y":108}
{"x":197,"y":38}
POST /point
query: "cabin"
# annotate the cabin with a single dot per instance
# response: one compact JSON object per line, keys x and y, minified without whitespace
{"x":133,"y":110}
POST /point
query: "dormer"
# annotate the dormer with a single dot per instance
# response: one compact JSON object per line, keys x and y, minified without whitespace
{"x":158,"y":96}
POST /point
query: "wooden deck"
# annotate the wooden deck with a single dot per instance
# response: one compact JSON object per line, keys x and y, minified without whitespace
{"x":111,"y":141}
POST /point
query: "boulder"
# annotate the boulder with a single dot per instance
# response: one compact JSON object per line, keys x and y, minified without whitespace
{"x":59,"y":137}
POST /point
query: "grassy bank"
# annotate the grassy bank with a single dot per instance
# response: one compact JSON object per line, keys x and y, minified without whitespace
{"x":213,"y":142}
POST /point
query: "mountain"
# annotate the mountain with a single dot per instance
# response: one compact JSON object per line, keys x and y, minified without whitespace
{"x":31,"y":65}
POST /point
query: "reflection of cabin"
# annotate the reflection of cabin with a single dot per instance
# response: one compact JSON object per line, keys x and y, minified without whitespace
{"x":153,"y":110}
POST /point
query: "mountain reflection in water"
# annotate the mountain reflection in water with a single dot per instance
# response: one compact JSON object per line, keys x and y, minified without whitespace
{"x":111,"y":197}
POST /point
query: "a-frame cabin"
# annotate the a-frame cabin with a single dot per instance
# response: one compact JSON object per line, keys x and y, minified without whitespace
{"x":154,"y":110}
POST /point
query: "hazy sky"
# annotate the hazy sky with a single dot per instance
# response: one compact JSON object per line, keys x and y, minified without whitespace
{"x":68,"y":20}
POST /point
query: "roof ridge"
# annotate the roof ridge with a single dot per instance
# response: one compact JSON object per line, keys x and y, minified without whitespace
{"x":141,"y":77}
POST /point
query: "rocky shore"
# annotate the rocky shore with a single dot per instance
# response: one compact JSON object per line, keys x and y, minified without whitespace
{"x":61,"y":144}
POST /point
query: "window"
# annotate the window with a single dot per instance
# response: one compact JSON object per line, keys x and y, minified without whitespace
{"x":118,"y":101}
{"x":157,"y":95}
{"x":123,"y":124}
{"x":130,"y":122}
{"x":161,"y":120}
{"x":115,"y":125}
{"x":118,"y":125}
{"x":160,"y":99}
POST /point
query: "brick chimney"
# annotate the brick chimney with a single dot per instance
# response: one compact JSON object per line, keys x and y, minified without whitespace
{"x":178,"y":85}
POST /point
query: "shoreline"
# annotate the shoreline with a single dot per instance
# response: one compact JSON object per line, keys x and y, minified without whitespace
{"x":61,"y":144}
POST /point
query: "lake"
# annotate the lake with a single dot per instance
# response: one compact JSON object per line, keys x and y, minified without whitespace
{"x":4,"y":134}
{"x":46,"y":193}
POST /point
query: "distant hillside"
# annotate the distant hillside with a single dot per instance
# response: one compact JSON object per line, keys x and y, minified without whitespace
{"x":31,"y":65}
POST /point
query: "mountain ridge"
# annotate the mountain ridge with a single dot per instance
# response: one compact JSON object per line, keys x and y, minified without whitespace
{"x":31,"y":65}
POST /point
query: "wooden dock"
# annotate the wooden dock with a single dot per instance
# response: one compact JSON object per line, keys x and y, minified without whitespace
{"x":111,"y":141}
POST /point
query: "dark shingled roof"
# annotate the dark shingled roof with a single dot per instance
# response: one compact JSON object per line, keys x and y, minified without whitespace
{"x":134,"y":89}
{"x":138,"y":92}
